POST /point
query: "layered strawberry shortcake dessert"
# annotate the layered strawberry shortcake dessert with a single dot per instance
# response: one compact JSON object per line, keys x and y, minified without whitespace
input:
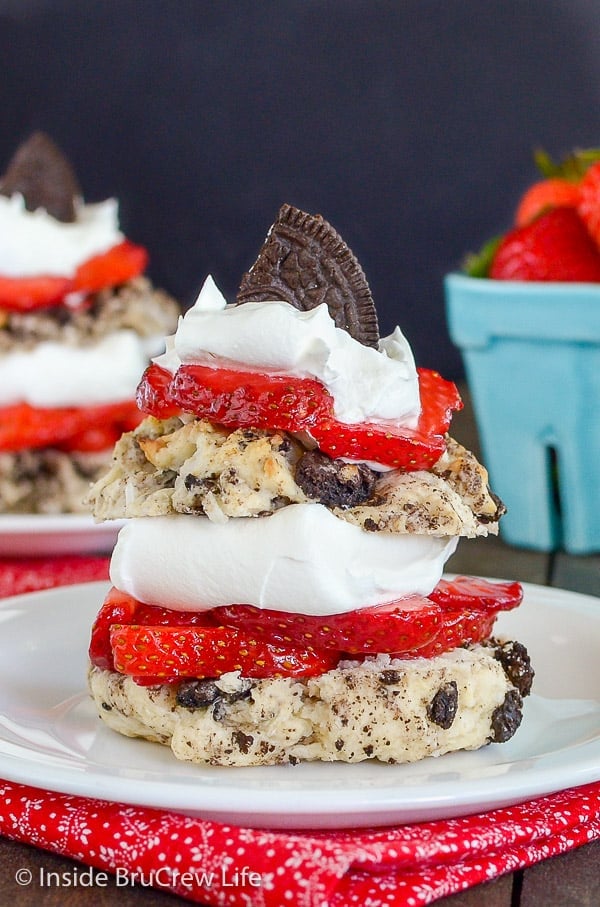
{"x":78,"y":324}
{"x":293,"y":497}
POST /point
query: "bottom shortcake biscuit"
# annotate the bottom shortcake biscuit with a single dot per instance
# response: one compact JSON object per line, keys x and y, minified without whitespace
{"x":393,"y":710}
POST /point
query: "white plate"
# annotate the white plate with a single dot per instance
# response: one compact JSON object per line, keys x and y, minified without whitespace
{"x":38,"y":535}
{"x":51,"y":737}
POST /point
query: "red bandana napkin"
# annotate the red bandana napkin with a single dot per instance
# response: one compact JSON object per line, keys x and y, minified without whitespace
{"x":20,"y":575}
{"x":228,"y":866}
{"x":220,"y":865}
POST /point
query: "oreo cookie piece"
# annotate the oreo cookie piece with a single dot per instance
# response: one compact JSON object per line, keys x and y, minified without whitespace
{"x":334,"y":482}
{"x":44,"y":177}
{"x":304,"y":261}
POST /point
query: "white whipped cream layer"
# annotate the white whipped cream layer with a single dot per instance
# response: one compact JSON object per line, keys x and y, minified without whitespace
{"x":35,"y":243}
{"x":301,"y":559}
{"x":54,"y":374}
{"x":367,"y":384}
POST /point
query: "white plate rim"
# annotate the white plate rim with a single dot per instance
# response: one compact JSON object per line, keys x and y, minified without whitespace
{"x":42,"y":522}
{"x":303,"y":806}
{"x":23,"y":534}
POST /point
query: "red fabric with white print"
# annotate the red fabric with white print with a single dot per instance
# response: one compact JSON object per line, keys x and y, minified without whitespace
{"x":30,"y":574}
{"x":228,"y":866}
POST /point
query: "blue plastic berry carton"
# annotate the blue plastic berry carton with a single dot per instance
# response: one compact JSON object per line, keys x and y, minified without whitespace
{"x":532,"y":359}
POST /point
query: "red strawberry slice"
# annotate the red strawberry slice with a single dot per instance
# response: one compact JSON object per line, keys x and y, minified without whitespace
{"x":121,"y":608}
{"x":168,"y":654}
{"x":247,"y":399}
{"x":250,"y":399}
{"x":110,"y":269}
{"x":188,"y":644}
{"x":439,"y":400}
{"x":459,"y":628}
{"x":159,"y":645}
{"x":458,"y":611}
{"x":408,"y":451}
{"x":118,"y":608}
{"x":93,"y":439}
{"x":473,"y":592}
{"x":470,"y":607}
{"x":153,"y":396}
{"x":24,"y":294}
{"x":23,"y":426}
{"x":403,"y":448}
{"x":399,"y":626}
{"x":554,"y":247}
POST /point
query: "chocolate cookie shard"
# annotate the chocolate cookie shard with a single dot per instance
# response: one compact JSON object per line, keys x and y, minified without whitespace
{"x":304,"y":261}
{"x":44,"y":177}
{"x":444,"y":705}
{"x":334,"y":482}
{"x":507,"y":717}
{"x":514,"y":658}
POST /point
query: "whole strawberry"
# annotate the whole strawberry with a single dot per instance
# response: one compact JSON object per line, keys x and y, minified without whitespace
{"x":543,"y":195}
{"x":556,"y":228}
{"x":556,"y":246}
{"x":588,"y":206}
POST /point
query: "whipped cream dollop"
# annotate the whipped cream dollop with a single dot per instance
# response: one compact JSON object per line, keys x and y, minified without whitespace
{"x":35,"y":243}
{"x":367,"y":384}
{"x":55,"y":374}
{"x":302,"y":559}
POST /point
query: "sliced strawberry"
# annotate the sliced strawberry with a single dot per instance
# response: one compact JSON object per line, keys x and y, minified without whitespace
{"x":403,"y":448}
{"x":118,"y":608}
{"x":121,"y":608}
{"x":473,"y":592}
{"x":119,"y":264}
{"x":408,"y":451}
{"x":399,"y":626}
{"x":470,"y":607}
{"x":104,"y":436}
{"x":110,"y":269}
{"x":159,"y":645}
{"x":23,"y":294}
{"x":459,"y":627}
{"x":251,"y":399}
{"x":168,"y":654}
{"x":153,"y":393}
{"x":549,"y":193}
{"x":554,"y":247}
{"x":201,"y":646}
{"x":439,"y":400}
{"x":247,"y":399}
{"x":93,"y":439}
{"x":23,"y":426}
{"x":458,"y":611}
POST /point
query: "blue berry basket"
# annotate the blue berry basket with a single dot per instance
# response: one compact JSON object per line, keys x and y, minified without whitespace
{"x":532,"y":360}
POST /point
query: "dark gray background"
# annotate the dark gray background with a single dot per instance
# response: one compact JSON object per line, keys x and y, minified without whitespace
{"x":408,"y":125}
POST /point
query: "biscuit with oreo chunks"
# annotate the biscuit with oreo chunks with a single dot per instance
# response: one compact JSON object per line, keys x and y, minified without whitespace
{"x":197,"y":467}
{"x":384,"y":708}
